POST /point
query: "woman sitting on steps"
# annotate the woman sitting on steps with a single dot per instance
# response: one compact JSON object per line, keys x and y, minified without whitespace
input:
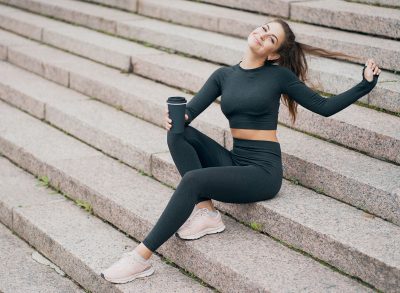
{"x":252,"y":171}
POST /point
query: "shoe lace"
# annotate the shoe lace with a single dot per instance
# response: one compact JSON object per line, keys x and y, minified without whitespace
{"x":197,"y":215}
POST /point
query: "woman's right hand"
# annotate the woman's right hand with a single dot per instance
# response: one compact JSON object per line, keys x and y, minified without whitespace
{"x":168,"y":121}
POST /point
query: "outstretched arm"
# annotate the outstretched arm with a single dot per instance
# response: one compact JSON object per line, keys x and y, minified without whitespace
{"x":209,"y":92}
{"x":305,"y":96}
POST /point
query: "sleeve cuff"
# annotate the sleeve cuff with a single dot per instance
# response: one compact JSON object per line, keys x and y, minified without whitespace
{"x":187,"y":122}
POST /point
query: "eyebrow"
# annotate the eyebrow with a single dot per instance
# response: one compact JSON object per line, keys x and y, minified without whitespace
{"x":272,"y":34}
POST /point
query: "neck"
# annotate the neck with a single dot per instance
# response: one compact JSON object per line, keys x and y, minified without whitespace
{"x":251,"y":60}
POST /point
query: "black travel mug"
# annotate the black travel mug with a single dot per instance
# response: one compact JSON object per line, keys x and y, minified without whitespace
{"x":177,"y":109}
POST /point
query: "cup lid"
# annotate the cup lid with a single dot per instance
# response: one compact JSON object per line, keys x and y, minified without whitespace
{"x":176,"y":99}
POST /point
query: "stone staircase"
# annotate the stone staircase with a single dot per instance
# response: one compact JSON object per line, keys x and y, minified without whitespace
{"x":83,"y":89}
{"x":23,"y":268}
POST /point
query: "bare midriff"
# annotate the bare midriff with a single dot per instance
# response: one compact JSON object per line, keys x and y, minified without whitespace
{"x":254,"y":134}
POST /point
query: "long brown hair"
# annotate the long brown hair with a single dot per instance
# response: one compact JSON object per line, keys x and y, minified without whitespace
{"x":292,"y":56}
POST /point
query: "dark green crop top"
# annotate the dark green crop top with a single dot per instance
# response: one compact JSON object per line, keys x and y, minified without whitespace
{"x":250,"y":98}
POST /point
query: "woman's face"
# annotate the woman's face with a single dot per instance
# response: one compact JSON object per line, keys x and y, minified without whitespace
{"x":266,"y":39}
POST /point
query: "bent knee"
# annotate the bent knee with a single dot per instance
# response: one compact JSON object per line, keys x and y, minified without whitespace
{"x":195,"y":179}
{"x":190,"y":176}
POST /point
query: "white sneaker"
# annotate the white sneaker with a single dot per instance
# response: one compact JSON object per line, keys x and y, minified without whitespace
{"x":201,"y":223}
{"x":128,"y":268}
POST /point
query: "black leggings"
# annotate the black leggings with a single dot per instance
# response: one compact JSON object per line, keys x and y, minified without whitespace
{"x":250,"y":172}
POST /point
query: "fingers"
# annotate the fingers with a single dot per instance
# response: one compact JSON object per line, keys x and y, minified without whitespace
{"x":377,"y":71}
{"x":167,"y":119}
{"x":374,"y":67}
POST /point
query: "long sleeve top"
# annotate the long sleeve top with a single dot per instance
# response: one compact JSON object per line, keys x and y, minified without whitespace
{"x":250,"y":98}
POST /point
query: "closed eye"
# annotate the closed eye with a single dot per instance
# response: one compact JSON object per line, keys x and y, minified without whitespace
{"x":272,"y":39}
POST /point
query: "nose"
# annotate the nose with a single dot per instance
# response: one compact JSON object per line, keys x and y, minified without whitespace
{"x":263,"y":34}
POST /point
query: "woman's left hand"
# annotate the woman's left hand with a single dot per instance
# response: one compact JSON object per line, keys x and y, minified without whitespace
{"x":371,"y":69}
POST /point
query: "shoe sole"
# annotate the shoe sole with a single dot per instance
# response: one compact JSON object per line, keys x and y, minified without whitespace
{"x":143,"y":274}
{"x":201,"y":233}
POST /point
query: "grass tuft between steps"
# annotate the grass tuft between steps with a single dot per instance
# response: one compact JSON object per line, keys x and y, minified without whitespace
{"x":254,"y":226}
{"x":45,"y":181}
{"x":258,"y":227}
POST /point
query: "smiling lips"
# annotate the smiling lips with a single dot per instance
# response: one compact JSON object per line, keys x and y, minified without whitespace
{"x":257,"y":40}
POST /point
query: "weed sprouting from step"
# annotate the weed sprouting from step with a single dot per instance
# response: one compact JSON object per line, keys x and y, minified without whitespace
{"x":379,"y":109}
{"x":252,"y":225}
{"x":141,"y":172}
{"x":44,"y":181}
{"x":297,"y":249}
{"x":168,"y":261}
{"x":319,"y":190}
{"x":294,"y":180}
{"x":256,"y":226}
{"x":85,"y":205}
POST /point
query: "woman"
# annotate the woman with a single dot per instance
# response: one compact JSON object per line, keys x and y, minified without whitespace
{"x":252,"y":171}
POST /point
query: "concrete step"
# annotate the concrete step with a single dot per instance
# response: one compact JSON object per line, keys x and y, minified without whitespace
{"x":274,"y":7}
{"x":384,"y":3}
{"x":332,"y":13}
{"x":239,"y":259}
{"x":211,"y":46}
{"x":240,"y":23}
{"x":79,"y":243}
{"x":352,"y":127}
{"x":24,"y":269}
{"x":142,"y":146}
{"x":128,"y":5}
{"x":324,"y":174}
{"x":371,"y":20}
{"x":236,"y":23}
